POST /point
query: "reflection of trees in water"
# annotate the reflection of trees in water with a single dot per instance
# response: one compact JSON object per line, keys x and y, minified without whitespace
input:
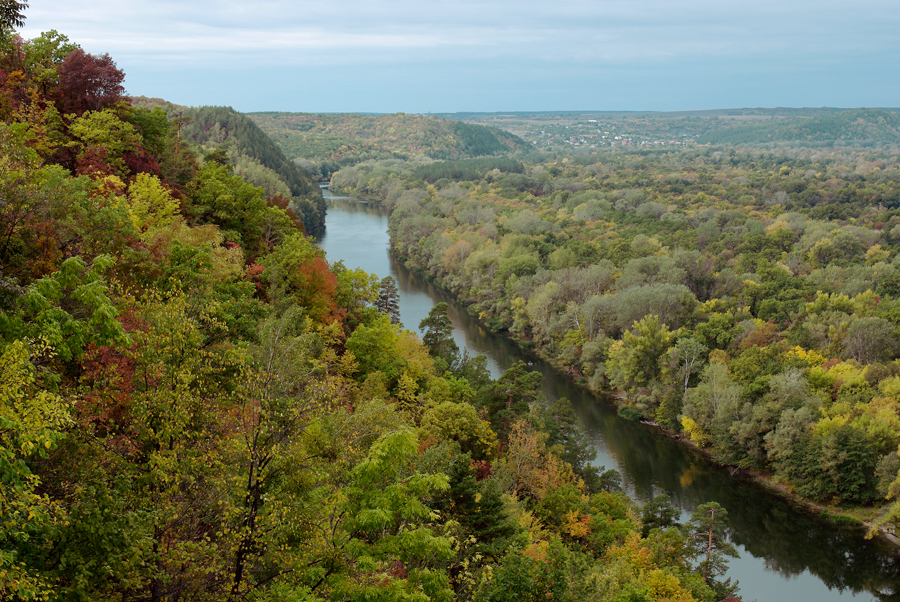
{"x":790,"y":540}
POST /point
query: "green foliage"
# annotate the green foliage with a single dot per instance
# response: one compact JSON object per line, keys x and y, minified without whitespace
{"x":32,"y":422}
{"x":68,"y":310}
{"x":852,"y":125}
{"x":437,"y":334}
{"x":466,"y":169}
{"x":329,"y":141}
{"x":636,"y":360}
{"x":705,"y":535}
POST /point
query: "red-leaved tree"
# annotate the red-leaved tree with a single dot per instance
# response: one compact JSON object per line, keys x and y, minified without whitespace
{"x":88,"y":83}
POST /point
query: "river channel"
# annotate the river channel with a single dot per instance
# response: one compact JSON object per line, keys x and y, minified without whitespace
{"x":787,"y":555}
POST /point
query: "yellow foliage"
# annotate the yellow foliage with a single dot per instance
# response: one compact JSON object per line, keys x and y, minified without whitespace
{"x":890,"y":387}
{"x":813,"y":358}
{"x":665,"y":587}
{"x":826,"y":426}
{"x":530,"y":467}
{"x":108,"y":186}
{"x":876,"y":254}
{"x":718,"y":356}
{"x":226,"y":262}
{"x":150,"y":203}
{"x":420,"y":365}
{"x":576,"y":524}
{"x":884,"y":405}
{"x":847,"y":372}
{"x":695,"y":432}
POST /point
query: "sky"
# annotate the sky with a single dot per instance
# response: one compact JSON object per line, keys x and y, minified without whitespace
{"x":492,"y":55}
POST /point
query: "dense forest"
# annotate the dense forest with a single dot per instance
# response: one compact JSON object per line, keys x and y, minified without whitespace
{"x":233,"y":138}
{"x":745,"y":299}
{"x":862,"y":127}
{"x":323,"y":143}
{"x":196,"y":405}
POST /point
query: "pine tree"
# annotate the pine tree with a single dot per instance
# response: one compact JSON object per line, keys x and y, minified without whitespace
{"x":478,"y":510}
{"x":388,"y":301}
{"x":438,"y":331}
{"x":705,"y":535}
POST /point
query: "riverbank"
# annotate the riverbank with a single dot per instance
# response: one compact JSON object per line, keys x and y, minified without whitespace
{"x":861,"y":518}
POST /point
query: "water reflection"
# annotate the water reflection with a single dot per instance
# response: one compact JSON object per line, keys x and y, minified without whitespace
{"x":786,"y":554}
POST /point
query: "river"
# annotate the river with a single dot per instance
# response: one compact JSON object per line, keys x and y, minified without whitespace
{"x":787,"y":555}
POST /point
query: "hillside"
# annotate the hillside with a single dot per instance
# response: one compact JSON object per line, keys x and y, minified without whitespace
{"x":255,"y":156}
{"x":581,"y":131}
{"x":747,"y":300}
{"x":859,"y":126}
{"x":323,"y":143}
{"x":250,"y":153}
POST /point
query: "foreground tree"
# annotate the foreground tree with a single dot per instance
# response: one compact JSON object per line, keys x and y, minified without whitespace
{"x":388,"y":301}
{"x":438,"y":331}
{"x":11,"y":15}
{"x":705,"y":534}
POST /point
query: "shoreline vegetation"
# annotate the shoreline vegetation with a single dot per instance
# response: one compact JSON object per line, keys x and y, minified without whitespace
{"x":864,"y":519}
{"x":744,"y":299}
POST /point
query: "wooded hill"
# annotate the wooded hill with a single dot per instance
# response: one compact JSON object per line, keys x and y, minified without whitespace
{"x":864,"y":127}
{"x":252,"y":154}
{"x":580,"y":131}
{"x":322,"y":143}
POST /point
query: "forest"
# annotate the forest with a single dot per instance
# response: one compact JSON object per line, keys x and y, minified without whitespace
{"x":253,"y":156}
{"x":745,"y":299}
{"x":197,"y":405}
{"x":322,"y":144}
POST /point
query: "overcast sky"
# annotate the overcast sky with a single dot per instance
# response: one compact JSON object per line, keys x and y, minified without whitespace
{"x":492,"y":55}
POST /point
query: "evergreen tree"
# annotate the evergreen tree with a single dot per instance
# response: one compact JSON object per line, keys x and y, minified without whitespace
{"x":388,"y":301}
{"x":509,"y":397}
{"x":658,"y":513}
{"x":705,"y":536}
{"x":438,"y":331}
{"x":478,"y":510}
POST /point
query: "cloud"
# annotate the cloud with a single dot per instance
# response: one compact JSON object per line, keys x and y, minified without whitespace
{"x":341,"y":30}
{"x":726,"y":39}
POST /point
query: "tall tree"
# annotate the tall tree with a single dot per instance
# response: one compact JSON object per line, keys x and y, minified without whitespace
{"x":437,"y":329}
{"x":388,"y":301}
{"x":705,"y":535}
{"x":88,"y":83}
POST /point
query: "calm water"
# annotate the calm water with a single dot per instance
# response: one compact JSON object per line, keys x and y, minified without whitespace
{"x":786,"y":554}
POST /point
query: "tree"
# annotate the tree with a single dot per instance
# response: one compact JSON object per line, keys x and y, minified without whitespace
{"x":97,"y":130}
{"x":509,"y":397}
{"x":566,"y":431}
{"x":635,"y":360}
{"x":714,"y":403}
{"x":375,"y":348}
{"x":688,"y":358}
{"x":705,"y":535}
{"x":438,"y":331}
{"x":388,"y":301}
{"x":281,"y":396}
{"x":478,"y":510}
{"x":871,"y":340}
{"x":11,"y":15}
{"x":658,"y":513}
{"x":88,"y":83}
{"x":32,"y":421}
